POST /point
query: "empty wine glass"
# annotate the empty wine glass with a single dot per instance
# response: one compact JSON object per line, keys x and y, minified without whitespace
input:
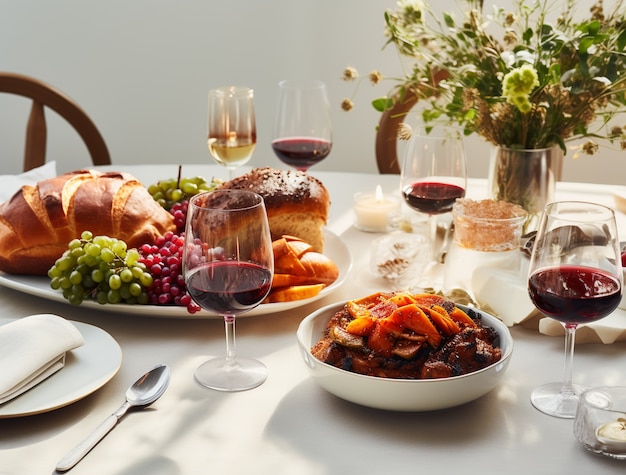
{"x":433,"y":175}
{"x":575,"y":277}
{"x":231,"y":129}
{"x":228,"y":266}
{"x":303,"y":129}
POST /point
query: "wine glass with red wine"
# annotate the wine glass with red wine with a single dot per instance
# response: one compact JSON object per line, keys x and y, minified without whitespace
{"x":302,"y":129}
{"x":433,"y":174}
{"x":228,"y":266}
{"x":575,"y":277}
{"x":231,"y":128}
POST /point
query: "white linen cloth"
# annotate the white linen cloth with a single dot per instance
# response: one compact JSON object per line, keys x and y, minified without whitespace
{"x":9,"y":184}
{"x":32,"y":349}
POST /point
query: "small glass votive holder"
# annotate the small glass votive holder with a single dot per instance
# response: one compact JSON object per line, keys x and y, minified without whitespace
{"x":375,"y":212}
{"x":487,"y":233}
{"x":600,"y":423}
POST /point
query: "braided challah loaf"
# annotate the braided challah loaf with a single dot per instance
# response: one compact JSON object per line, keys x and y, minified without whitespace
{"x":38,"y":222}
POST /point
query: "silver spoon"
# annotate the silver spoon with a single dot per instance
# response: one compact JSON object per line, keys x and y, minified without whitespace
{"x":142,"y":393}
{"x":568,"y":237}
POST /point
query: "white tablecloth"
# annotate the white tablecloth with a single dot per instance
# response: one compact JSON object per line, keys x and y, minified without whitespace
{"x":289,"y":425}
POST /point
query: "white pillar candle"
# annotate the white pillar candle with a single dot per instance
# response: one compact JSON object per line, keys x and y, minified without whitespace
{"x":373,"y":212}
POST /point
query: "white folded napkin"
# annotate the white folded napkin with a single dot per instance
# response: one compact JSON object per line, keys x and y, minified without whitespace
{"x":607,"y":330}
{"x":504,"y":292}
{"x":9,"y":184}
{"x":32,"y":349}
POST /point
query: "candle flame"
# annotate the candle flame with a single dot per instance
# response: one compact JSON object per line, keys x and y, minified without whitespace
{"x":379,"y":194}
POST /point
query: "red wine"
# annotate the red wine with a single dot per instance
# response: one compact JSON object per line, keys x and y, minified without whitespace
{"x":432,"y":197}
{"x":229,"y":287}
{"x":301,"y":152}
{"x":573,"y":294}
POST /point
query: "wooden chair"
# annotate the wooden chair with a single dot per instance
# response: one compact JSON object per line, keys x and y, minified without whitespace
{"x":44,"y":95}
{"x":387,"y":158}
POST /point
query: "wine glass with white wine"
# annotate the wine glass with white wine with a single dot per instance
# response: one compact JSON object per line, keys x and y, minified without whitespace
{"x":231,"y":129}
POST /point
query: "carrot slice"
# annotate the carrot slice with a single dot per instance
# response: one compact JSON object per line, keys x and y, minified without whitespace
{"x":414,"y":318}
{"x":402,"y":299}
{"x":361,"y":326}
{"x":381,"y":340}
{"x":294,"y":292}
{"x":453,"y":327}
{"x":360,"y":307}
{"x":461,"y":317}
{"x":428,"y":300}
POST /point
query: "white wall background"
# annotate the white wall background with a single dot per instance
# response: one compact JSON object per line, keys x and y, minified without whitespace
{"x":142,"y":68}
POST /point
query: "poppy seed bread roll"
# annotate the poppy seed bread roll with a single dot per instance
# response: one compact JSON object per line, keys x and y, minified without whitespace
{"x":38,"y":222}
{"x":297,"y":204}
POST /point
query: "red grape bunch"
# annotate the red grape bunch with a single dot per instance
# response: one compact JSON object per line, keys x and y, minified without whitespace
{"x":164,"y":261}
{"x":179,"y":211}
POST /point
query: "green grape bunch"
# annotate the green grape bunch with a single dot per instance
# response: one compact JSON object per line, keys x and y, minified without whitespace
{"x":176,"y":190}
{"x":100,"y":268}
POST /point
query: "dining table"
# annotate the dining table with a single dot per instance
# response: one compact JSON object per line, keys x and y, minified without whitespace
{"x":289,"y":424}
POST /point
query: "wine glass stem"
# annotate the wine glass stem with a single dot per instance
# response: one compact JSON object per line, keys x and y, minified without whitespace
{"x":229,"y":325}
{"x":432,"y":235}
{"x":570,"y":340}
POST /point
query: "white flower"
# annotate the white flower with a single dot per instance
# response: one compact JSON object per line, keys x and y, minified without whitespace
{"x":524,"y":56}
{"x":411,"y":5}
{"x":603,"y":80}
{"x":508,"y":58}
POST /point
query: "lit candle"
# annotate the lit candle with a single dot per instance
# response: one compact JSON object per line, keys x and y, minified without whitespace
{"x":613,"y":435}
{"x":373,"y":212}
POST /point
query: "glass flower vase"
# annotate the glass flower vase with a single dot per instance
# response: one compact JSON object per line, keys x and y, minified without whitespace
{"x":525,"y":177}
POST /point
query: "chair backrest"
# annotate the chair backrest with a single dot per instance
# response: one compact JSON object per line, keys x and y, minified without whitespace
{"x":44,"y":95}
{"x":387,"y":158}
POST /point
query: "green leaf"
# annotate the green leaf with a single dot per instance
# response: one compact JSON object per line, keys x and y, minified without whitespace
{"x":621,"y":41}
{"x":527,"y":35}
{"x":430,"y":115}
{"x":554,"y":75}
{"x":469,"y":115}
{"x":382,"y":104}
{"x":583,"y":66}
{"x":585,"y":44}
{"x":580,"y":129}
{"x":546,"y":29}
{"x":593,"y":27}
{"x":449,"y":21}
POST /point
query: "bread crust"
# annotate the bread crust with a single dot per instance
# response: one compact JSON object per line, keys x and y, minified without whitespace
{"x":297,"y":204}
{"x":38,"y":222}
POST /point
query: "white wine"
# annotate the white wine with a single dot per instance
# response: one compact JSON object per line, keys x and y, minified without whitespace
{"x":231,"y":153}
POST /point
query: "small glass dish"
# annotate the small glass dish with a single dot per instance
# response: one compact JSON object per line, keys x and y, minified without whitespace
{"x":399,"y":257}
{"x":600,"y":424}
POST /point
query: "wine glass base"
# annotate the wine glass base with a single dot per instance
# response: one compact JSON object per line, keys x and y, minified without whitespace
{"x":223,"y":375}
{"x":551,"y":400}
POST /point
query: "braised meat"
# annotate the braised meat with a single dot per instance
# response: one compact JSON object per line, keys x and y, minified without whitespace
{"x":466,"y":352}
{"x":407,"y":337}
